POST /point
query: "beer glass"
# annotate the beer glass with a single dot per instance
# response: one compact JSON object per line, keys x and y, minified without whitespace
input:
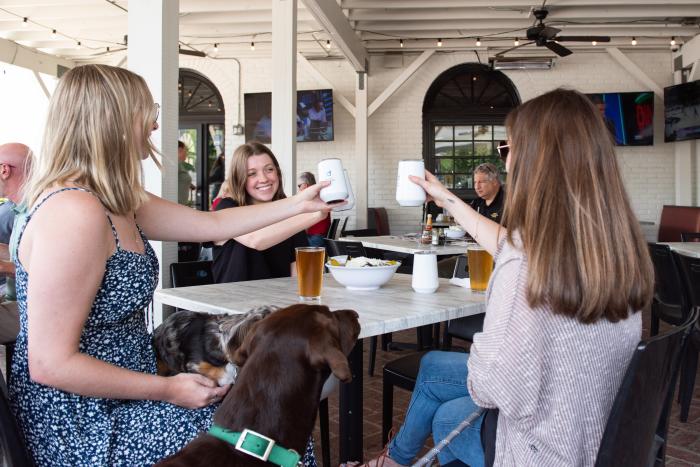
{"x":310,"y":261}
{"x":480,"y":267}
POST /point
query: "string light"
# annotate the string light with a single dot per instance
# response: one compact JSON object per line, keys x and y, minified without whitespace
{"x":439,"y":42}
{"x":634,"y":41}
{"x":107,"y":49}
{"x":516,"y":42}
{"x":401,"y":43}
{"x":328,"y":44}
{"x":594,"y":43}
{"x":478,"y":41}
{"x":25,"y":22}
{"x":673,"y":40}
{"x":216,"y":48}
{"x":53,"y":34}
{"x":79,"y":45}
{"x":252,"y":45}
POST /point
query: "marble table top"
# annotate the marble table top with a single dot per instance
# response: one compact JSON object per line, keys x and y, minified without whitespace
{"x":685,"y":248}
{"x":393,"y":307}
{"x":408,"y":245}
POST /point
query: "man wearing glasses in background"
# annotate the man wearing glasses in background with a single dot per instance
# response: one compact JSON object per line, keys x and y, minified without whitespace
{"x":489,"y":191}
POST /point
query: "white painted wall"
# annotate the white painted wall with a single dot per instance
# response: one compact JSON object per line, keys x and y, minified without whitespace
{"x":395,"y":130}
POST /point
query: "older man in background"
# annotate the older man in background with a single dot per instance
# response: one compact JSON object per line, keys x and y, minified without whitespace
{"x":489,"y":191}
{"x":15,"y":159}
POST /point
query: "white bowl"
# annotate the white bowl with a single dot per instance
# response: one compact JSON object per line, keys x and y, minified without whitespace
{"x":365,"y":278}
{"x":454,"y":233}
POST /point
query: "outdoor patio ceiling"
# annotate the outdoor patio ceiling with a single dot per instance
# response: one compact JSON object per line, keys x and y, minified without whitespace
{"x":229,"y":28}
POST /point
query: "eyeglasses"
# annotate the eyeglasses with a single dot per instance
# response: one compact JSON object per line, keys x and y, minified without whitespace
{"x":503,"y":149}
{"x":156,"y":110}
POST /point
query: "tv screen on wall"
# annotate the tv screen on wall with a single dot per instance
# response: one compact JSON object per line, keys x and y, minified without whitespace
{"x":314,"y":116}
{"x":628,"y":115}
{"x":682,"y":112}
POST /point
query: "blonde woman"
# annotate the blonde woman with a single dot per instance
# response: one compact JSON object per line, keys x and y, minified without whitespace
{"x":562,"y":308}
{"x":83,"y":385}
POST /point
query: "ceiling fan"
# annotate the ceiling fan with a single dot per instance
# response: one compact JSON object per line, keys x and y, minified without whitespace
{"x":541,"y":34}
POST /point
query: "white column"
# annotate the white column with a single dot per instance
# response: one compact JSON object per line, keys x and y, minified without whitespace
{"x":284,"y":89}
{"x":361,"y":194}
{"x":153,"y":54}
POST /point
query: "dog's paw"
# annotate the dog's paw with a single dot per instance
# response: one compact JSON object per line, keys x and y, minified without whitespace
{"x":229,"y":377}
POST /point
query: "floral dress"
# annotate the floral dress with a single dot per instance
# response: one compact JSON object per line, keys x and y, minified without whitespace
{"x":64,"y":429}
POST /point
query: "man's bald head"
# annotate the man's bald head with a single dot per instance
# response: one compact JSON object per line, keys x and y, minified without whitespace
{"x":15,"y":159}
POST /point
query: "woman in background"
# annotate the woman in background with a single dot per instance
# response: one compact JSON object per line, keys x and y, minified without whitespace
{"x":255,"y":178}
{"x":317,"y":232}
{"x":562,"y":307}
{"x":84,"y":388}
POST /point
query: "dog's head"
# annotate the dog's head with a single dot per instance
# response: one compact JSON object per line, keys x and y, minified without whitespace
{"x":311,"y":332}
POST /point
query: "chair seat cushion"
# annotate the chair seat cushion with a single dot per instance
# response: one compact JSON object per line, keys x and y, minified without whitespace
{"x":465,"y":328}
{"x":405,"y":368}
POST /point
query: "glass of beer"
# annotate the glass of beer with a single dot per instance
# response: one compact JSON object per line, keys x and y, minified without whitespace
{"x":480,"y":267}
{"x":310,"y":261}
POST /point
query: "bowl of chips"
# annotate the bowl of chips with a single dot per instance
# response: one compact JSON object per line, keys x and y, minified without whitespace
{"x":361,"y":273}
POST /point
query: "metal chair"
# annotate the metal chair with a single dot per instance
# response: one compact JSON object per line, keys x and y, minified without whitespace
{"x":670,"y":302}
{"x":462,"y":328}
{"x":637,"y":427}
{"x":690,"y":272}
{"x":401,"y":372}
{"x":690,"y":237}
{"x":333,"y":229}
{"x":13,"y":452}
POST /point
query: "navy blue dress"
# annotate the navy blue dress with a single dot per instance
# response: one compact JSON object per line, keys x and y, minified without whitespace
{"x":66,"y":429}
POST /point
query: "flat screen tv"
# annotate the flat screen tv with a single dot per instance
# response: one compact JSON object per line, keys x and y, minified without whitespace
{"x":628,"y":115}
{"x":682,"y":112}
{"x":314,"y":116}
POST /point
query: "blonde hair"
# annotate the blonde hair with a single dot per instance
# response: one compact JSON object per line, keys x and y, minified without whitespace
{"x":90,"y":138}
{"x":587,"y":257}
{"x":238,"y":174}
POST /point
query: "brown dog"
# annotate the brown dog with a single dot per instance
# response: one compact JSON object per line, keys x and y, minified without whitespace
{"x":287,"y":358}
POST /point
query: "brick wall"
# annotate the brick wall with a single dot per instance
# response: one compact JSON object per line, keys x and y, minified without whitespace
{"x":395,"y":130}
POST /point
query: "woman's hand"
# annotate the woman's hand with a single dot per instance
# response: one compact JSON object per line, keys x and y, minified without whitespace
{"x":194,"y":391}
{"x":436,"y":191}
{"x":309,"y":200}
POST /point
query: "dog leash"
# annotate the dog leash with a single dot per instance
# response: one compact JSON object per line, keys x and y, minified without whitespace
{"x":432,"y":454}
{"x":257,"y":445}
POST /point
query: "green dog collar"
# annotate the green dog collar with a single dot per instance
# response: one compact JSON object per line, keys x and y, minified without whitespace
{"x":257,"y":445}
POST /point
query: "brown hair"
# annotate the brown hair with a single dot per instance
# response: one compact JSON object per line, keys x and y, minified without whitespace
{"x":586,"y":253}
{"x":239,"y":172}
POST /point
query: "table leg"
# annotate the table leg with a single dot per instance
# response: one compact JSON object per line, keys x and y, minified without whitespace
{"x":350,"y":416}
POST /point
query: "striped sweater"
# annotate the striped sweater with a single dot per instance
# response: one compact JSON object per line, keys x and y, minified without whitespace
{"x":553,"y":378}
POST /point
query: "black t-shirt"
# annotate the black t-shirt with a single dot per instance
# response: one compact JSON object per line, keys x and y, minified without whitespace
{"x":493,"y":211}
{"x":235,"y":262}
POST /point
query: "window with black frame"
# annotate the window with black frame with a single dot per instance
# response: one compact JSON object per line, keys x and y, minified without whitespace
{"x":463,"y":123}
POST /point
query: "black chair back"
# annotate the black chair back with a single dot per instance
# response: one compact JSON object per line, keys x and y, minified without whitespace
{"x":690,"y":272}
{"x":333,"y":229}
{"x":690,"y":237}
{"x":188,"y":251}
{"x":360,"y":233}
{"x":191,"y":273}
{"x":635,"y":434}
{"x":12,"y":449}
{"x":345,"y":224}
{"x":670,"y":299}
{"x":337,"y":248}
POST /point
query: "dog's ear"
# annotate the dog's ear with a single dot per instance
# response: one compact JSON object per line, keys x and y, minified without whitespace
{"x":241,"y":354}
{"x":329,"y":354}
{"x":348,"y":328}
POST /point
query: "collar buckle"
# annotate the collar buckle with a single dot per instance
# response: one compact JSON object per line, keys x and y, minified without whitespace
{"x":256,"y":445}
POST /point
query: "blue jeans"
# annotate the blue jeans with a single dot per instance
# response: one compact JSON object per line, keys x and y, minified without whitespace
{"x":440,"y":402}
{"x":316,"y":240}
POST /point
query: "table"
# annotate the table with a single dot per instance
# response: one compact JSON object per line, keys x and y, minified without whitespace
{"x":685,"y":248}
{"x":394,"y":307}
{"x":408,"y":245}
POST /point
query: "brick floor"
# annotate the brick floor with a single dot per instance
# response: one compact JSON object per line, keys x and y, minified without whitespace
{"x":684,"y":438}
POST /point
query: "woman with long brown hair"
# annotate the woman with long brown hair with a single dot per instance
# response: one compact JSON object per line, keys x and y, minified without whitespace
{"x":562,"y":312}
{"x":255,"y":178}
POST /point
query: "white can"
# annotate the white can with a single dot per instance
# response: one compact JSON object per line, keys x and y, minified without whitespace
{"x":332,"y":170}
{"x":351,"y":197}
{"x":407,"y":192}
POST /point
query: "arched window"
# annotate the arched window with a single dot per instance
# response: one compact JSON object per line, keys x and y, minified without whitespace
{"x":463,"y":114}
{"x":198,"y":97}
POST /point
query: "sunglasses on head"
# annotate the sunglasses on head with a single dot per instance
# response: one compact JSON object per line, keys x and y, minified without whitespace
{"x":503,"y":149}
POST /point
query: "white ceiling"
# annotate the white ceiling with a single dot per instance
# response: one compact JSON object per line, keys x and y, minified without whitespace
{"x":380,"y":24}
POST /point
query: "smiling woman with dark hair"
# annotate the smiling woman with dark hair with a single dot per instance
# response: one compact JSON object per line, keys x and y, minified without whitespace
{"x":562,"y":311}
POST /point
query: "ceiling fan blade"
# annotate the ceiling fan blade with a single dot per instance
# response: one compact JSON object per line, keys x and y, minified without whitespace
{"x":548,"y":32}
{"x":500,"y":54}
{"x":557,"y":48}
{"x":582,"y":38}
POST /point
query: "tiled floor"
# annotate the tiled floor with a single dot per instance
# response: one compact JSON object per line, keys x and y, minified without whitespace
{"x":684,"y":438}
